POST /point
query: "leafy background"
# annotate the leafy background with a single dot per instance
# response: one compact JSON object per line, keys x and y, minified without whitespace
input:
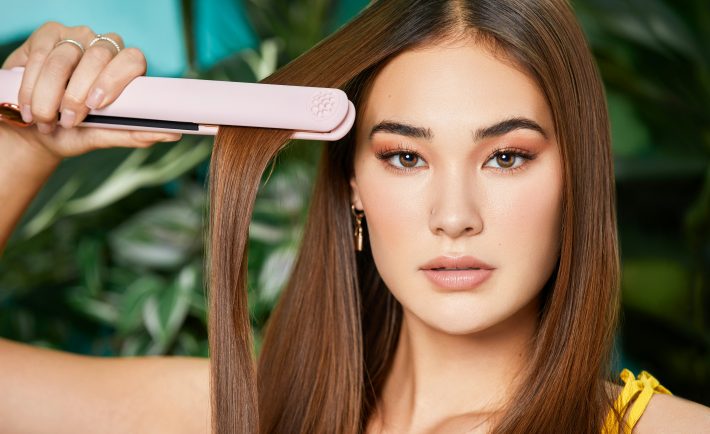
{"x":108,"y":259}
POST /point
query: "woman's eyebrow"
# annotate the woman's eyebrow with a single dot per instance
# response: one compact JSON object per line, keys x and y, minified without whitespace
{"x":497,"y":129}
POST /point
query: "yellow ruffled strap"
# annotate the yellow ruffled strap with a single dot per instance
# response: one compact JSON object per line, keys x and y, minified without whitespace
{"x":642,"y":389}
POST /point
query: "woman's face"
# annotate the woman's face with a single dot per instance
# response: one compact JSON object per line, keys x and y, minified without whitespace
{"x":448,"y":194}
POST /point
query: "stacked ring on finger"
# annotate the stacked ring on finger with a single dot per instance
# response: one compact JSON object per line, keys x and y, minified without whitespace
{"x":100,"y":37}
{"x":71,"y":41}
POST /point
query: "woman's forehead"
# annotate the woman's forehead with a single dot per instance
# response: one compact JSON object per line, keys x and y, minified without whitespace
{"x":449,"y":86}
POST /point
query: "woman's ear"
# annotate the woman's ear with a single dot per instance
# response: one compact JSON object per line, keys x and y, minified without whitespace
{"x":355,"y":194}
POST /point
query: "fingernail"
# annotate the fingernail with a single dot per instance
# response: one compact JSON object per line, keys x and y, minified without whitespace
{"x":44,"y":127}
{"x":171,"y":138}
{"x":95,"y":98}
{"x":26,"y":113}
{"x":67,"y":119}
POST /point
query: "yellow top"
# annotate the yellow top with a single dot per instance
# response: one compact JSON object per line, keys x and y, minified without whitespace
{"x":642,"y":388}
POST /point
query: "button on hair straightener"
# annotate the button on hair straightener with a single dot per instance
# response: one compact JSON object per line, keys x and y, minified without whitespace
{"x":193,"y":106}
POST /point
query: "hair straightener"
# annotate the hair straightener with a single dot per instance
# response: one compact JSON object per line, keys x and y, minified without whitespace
{"x":194,"y":106}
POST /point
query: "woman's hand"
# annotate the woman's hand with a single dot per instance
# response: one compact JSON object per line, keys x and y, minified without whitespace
{"x":62,"y":78}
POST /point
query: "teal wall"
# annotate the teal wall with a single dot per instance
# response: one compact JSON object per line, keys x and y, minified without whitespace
{"x":220,"y":27}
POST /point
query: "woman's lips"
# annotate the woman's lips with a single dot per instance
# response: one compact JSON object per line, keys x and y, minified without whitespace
{"x":458,"y":279}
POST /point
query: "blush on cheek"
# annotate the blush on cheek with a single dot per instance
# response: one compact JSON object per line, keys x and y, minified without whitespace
{"x":393,"y":212}
{"x":527,"y":216}
{"x":534,"y":204}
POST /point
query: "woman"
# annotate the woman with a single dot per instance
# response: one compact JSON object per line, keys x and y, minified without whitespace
{"x":481,"y":142}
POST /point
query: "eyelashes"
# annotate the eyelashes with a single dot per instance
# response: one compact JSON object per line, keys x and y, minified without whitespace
{"x":515,"y":153}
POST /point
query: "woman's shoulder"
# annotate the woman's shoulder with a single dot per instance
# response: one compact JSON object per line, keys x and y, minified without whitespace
{"x":651,"y":408}
{"x":673,"y":414}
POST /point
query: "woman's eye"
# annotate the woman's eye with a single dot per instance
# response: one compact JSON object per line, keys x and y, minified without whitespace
{"x":402,"y":160}
{"x":508,"y":160}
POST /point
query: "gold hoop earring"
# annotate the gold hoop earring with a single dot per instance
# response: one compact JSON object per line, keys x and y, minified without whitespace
{"x":358,"y":227}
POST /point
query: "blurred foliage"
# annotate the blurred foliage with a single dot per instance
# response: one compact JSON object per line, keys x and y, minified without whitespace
{"x":108,"y":259}
{"x":655,"y":61}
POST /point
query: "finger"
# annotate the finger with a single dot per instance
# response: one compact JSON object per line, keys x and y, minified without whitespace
{"x":37,"y":47}
{"x":51,"y":83}
{"x":90,"y":67}
{"x":151,"y":137}
{"x":103,"y":44}
{"x":127,"y":65}
{"x":110,"y":138}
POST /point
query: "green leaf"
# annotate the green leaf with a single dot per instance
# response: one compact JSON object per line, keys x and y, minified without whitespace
{"x":133,"y":302}
{"x":91,"y":264}
{"x":163,"y":314}
{"x":161,"y":236}
{"x":104,"y":311}
{"x":128,"y":177}
{"x":276,"y":271}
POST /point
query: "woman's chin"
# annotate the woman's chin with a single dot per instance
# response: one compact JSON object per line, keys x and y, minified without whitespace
{"x":455,"y":324}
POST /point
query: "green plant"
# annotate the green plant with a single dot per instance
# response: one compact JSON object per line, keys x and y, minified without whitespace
{"x":108,"y":258}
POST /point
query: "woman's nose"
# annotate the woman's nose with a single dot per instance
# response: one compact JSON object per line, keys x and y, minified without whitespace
{"x":455,"y":206}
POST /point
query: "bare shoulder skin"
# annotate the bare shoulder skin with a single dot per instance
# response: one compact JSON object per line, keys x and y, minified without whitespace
{"x":667,"y":414}
{"x":59,"y":392}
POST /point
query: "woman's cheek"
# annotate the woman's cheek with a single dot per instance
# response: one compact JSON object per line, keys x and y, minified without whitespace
{"x":526,"y":217}
{"x":392,"y":208}
{"x":391,"y":214}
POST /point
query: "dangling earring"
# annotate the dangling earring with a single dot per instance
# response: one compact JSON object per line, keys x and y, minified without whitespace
{"x":358,"y":227}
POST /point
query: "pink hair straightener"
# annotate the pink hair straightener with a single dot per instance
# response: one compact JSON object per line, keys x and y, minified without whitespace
{"x":193,"y":106}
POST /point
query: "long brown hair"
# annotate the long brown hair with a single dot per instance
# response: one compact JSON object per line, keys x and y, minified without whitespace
{"x":329,"y":342}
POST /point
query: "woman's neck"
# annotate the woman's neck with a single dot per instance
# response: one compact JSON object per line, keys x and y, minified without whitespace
{"x":439,"y":379}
